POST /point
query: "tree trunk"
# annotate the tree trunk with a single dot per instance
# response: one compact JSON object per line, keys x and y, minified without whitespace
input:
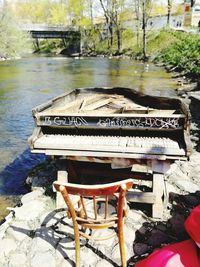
{"x":144,"y":29}
{"x":169,"y":8}
{"x":118,"y":40}
{"x":111,"y":33}
{"x":137,"y":12}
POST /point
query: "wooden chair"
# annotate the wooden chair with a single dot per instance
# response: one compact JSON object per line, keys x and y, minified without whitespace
{"x":82,"y":219}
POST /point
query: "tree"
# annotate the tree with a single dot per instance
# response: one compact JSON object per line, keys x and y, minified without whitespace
{"x":169,"y":9}
{"x":42,"y":11}
{"x":146,"y":11}
{"x":112,"y":10}
{"x":13,"y":40}
{"x":137,"y":15}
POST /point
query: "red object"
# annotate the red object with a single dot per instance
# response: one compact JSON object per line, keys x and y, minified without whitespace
{"x":182,"y":254}
{"x":192,"y":224}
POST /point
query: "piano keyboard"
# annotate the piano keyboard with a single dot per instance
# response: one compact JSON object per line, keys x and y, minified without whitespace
{"x":128,"y":144}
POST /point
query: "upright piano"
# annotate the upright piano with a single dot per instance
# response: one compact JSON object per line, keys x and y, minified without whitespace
{"x":119,"y":126}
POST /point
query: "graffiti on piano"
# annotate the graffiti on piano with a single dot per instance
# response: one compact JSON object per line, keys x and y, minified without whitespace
{"x":65,"y":121}
{"x":110,"y":122}
{"x":160,"y":123}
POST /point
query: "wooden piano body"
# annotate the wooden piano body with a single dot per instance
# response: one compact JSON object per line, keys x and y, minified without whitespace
{"x":117,"y":126}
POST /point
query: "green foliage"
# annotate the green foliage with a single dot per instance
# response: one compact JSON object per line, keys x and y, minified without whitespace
{"x":157,"y":41}
{"x":50,"y":46}
{"x":13,"y":40}
{"x":129,"y":42}
{"x":183,"y":54}
{"x":42,"y":11}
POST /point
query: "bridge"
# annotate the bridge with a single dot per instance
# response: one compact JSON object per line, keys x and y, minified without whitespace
{"x":71,"y":36}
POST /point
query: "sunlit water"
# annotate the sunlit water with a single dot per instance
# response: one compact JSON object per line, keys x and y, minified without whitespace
{"x":33,"y":80}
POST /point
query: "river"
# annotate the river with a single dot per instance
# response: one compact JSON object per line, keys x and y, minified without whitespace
{"x":32,"y":80}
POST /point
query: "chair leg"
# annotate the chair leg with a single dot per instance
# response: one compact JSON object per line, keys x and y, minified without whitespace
{"x":121,"y":243}
{"x":77,"y":245}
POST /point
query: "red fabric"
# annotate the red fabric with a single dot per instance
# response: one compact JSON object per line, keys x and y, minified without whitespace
{"x":182,"y":254}
{"x":192,"y":224}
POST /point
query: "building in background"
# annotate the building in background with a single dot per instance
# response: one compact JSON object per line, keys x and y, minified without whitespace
{"x":192,"y":13}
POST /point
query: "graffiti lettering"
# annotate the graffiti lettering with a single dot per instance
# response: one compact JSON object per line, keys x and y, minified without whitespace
{"x":65,"y":121}
{"x":160,"y":123}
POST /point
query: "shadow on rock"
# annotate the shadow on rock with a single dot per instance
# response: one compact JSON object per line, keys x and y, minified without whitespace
{"x":57,"y":231}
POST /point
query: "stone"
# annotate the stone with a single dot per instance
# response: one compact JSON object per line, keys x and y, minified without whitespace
{"x":66,"y":248}
{"x":134,"y":216}
{"x":45,"y":259}
{"x":115,"y":255}
{"x":187,"y":185}
{"x":6,"y":246}
{"x":43,"y":244}
{"x":104,"y":263}
{"x":18,"y":259}
{"x":30,"y":212}
{"x":4,"y":261}
{"x":103,"y":233}
{"x":88,"y":257}
{"x":171,"y":188}
{"x":32,"y":195}
{"x":18,"y":230}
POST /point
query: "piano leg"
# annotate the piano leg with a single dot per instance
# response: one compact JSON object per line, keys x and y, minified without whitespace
{"x":160,"y":195}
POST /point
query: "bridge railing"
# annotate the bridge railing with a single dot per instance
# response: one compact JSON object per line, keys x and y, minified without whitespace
{"x":45,"y":27}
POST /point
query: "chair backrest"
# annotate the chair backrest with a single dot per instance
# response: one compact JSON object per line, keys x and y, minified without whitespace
{"x":101,"y":193}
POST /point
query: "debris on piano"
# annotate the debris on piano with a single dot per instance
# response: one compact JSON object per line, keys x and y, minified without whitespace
{"x":115,"y":123}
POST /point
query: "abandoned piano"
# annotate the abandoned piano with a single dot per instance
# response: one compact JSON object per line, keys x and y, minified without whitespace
{"x":132,"y":134}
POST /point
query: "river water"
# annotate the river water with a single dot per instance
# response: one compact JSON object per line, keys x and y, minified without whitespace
{"x":33,"y":80}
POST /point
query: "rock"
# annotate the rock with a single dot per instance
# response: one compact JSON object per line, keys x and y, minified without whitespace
{"x":7,"y":245}
{"x":171,"y":188}
{"x":187,"y":185}
{"x":88,"y":258}
{"x":45,"y":259}
{"x":101,"y":233}
{"x":32,"y":195}
{"x":104,"y":263}
{"x":43,"y":243}
{"x":19,"y":230}
{"x":18,"y":259}
{"x":115,"y":255}
{"x":5,"y":225}
{"x":27,"y":212}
